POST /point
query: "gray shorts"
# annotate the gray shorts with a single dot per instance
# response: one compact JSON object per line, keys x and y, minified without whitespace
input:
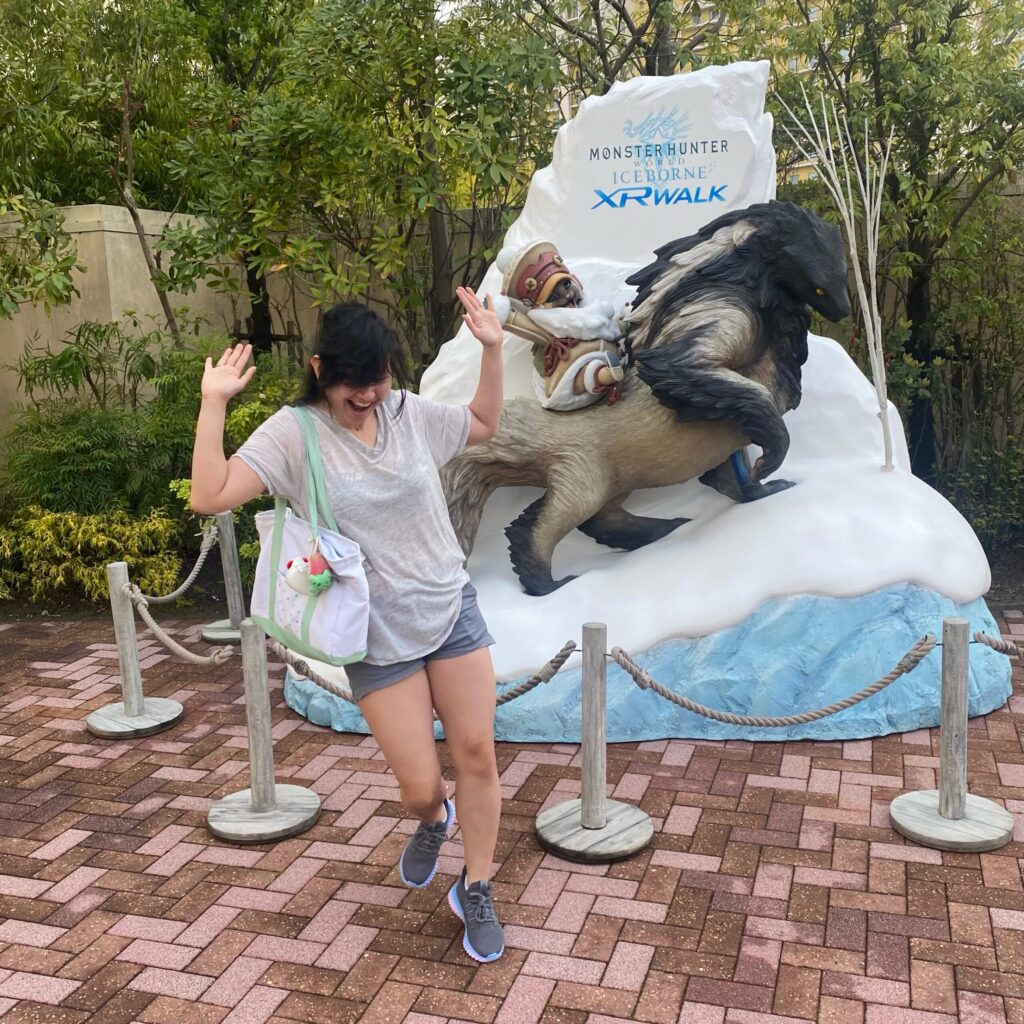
{"x":468,"y":634}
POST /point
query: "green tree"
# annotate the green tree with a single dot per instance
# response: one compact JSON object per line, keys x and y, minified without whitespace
{"x":600,"y":43}
{"x":384,"y":159}
{"x":946,"y":75}
{"x":243,"y":42}
{"x":62,"y":96}
{"x":91,"y":96}
{"x":36,"y":255}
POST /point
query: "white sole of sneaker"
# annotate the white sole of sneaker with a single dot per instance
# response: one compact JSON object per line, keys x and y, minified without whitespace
{"x":453,"y":902}
{"x":449,"y":821}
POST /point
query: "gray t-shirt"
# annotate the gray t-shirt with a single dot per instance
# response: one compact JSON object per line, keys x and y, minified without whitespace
{"x":389,"y":500}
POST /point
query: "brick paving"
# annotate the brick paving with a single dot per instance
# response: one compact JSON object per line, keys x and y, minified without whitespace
{"x":774,"y":891}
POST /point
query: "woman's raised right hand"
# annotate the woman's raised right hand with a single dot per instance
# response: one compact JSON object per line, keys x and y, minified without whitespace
{"x":226,"y":379}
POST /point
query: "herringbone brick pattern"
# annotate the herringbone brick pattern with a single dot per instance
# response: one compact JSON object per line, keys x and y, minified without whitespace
{"x":775,"y":890}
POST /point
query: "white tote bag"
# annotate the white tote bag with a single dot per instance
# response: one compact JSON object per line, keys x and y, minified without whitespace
{"x":328,"y":626}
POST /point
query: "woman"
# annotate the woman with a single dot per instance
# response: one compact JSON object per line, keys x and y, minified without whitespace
{"x":427,"y":643}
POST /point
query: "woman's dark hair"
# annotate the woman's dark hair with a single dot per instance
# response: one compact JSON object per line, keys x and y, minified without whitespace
{"x":356,"y":347}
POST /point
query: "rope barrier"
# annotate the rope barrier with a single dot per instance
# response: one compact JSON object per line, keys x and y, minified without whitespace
{"x":544,"y":675}
{"x":643,"y":679}
{"x":1006,"y":647}
{"x":209,"y":539}
{"x":303,"y":668}
{"x":908,"y":662}
{"x":219,"y":656}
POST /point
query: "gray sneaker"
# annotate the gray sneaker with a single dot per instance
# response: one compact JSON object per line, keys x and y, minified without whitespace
{"x":484,"y":939}
{"x":419,"y":859}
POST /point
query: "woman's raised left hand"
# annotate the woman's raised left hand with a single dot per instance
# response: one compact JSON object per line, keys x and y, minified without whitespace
{"x":482,"y":321}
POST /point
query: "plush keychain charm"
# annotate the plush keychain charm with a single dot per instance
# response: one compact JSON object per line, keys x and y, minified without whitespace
{"x":310,"y":576}
{"x":319,"y":574}
{"x":297,"y":575}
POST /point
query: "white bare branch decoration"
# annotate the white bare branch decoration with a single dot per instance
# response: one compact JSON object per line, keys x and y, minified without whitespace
{"x":817,"y":145}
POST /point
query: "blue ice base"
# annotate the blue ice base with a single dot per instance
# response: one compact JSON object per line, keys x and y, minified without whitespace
{"x":791,"y":655}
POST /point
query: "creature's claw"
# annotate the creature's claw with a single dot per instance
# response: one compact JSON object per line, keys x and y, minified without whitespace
{"x":755,"y":490}
{"x":538,"y":587}
{"x":769,"y":462}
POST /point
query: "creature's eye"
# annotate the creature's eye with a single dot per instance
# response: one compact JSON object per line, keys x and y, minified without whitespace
{"x":819,"y":291}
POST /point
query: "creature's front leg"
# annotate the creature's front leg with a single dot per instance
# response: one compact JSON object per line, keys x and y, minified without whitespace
{"x":698,"y":389}
{"x":533,"y":536}
{"x":734,"y":478}
{"x":762,"y":423}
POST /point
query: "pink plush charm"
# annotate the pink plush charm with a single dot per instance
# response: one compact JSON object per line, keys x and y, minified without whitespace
{"x":320,"y":577}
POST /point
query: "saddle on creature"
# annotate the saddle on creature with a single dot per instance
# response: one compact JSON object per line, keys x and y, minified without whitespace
{"x":579,"y":354}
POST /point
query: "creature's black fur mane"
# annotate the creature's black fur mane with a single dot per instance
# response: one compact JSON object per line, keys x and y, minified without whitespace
{"x":736,"y":266}
{"x":742,"y":275}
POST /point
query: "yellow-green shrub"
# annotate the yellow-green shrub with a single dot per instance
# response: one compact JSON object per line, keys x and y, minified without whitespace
{"x":50,"y":554}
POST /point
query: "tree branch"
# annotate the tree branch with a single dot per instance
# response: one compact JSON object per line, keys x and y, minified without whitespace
{"x":973,"y":198}
{"x":124,"y":188}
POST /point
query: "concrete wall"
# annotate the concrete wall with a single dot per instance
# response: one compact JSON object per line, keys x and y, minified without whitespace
{"x":115,"y":281}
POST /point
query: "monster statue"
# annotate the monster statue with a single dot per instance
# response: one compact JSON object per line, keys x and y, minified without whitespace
{"x":717,"y":335}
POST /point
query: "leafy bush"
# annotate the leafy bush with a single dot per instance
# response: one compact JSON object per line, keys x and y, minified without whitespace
{"x":111,"y":420}
{"x":37,"y":256}
{"x":990,"y":494}
{"x":84,"y":458}
{"x":978,"y":390}
{"x":64,"y":554}
{"x":107,"y":364}
{"x":109,"y":425}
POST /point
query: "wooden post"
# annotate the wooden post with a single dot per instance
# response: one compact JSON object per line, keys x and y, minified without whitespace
{"x":125,"y":638}
{"x":953,"y":728}
{"x":232,"y":573}
{"x":266,"y":810}
{"x":950,"y":818}
{"x":593,"y":829}
{"x":135,"y":715}
{"x":257,"y":717}
{"x":226,"y":631}
{"x":592,"y":737}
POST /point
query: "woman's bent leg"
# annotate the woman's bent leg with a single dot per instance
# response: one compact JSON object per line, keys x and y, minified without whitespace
{"x":463,"y":690}
{"x":401,"y":718}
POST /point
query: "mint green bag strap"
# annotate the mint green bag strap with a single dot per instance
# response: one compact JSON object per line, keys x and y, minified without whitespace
{"x":316,"y":483}
{"x":280,"y":505}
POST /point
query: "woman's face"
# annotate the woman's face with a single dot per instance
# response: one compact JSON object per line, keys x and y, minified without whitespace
{"x":353,"y":406}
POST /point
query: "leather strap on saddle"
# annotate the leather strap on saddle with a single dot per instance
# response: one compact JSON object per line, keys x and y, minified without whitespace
{"x":557,"y":350}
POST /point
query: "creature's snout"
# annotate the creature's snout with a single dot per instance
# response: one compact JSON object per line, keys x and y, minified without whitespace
{"x":834,"y":306}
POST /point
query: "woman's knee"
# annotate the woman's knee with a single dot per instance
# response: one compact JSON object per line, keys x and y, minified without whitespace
{"x":422,"y":797}
{"x":474,"y":755}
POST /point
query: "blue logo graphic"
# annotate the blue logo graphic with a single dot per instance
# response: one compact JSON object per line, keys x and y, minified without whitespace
{"x":665,"y":125}
{"x":644,"y":195}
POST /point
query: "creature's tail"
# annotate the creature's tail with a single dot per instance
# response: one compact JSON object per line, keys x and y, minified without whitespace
{"x":505,"y":460}
{"x":467,"y":486}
